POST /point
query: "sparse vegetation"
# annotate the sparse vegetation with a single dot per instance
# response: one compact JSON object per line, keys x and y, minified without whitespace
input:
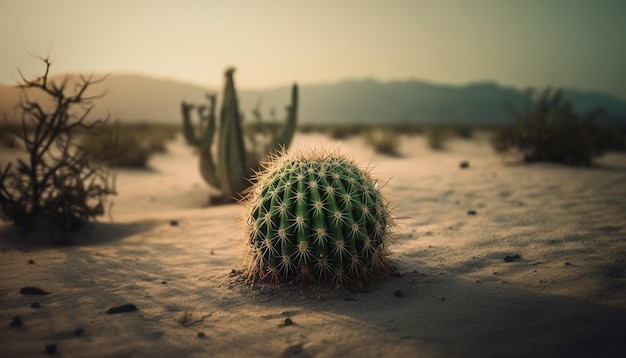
{"x":548,"y":129}
{"x":436,"y":137}
{"x":57,"y":183}
{"x":384,"y":141}
{"x":126,"y":145}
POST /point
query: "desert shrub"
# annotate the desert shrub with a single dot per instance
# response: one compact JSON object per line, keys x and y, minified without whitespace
{"x":58,"y":183}
{"x":436,"y":137}
{"x":462,"y":131}
{"x":548,"y":129}
{"x":125,"y":146}
{"x":343,"y":131}
{"x":384,"y":141}
{"x":8,"y":139}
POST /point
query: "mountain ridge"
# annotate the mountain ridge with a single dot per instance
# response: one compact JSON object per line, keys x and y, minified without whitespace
{"x":139,"y":97}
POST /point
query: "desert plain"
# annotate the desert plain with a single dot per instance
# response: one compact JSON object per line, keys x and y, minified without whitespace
{"x":499,"y":259}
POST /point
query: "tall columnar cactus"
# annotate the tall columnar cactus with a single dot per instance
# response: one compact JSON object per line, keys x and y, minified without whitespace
{"x":238,"y":154}
{"x":315,"y":216}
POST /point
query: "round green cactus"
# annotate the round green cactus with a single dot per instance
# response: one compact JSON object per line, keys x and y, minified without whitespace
{"x":315,"y":216}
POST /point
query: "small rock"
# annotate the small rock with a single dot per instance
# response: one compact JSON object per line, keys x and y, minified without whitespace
{"x":464,"y":164}
{"x":398,"y":293}
{"x":123,"y":308}
{"x":31,"y":262}
{"x":163,"y":282}
{"x":287,"y":322}
{"x":79,"y":331}
{"x":443,"y":298}
{"x":212,"y":253}
{"x":266,"y":290}
{"x":201,"y":335}
{"x":17,"y":322}
{"x":51,"y":349}
{"x":33,"y":291}
{"x":174,"y":223}
{"x":508,"y":258}
{"x":35,"y":305}
{"x":471,"y":212}
{"x":567,"y":263}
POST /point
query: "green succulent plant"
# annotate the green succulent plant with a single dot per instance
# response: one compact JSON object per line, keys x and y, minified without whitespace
{"x":315,"y":216}
{"x":237,"y":152}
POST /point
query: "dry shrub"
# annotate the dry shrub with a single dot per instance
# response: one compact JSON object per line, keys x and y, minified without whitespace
{"x":58,"y":183}
{"x":550,"y":130}
{"x":384,"y":141}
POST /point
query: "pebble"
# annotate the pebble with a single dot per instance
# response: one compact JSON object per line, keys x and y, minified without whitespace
{"x":287,"y":322}
{"x":79,"y":331}
{"x":17,"y":322}
{"x":471,"y":212}
{"x":398,"y":293}
{"x":51,"y":349}
{"x":201,"y":335}
{"x":174,"y":223}
{"x":33,"y":291}
{"x":31,"y":262}
{"x":123,"y":308}
{"x":35,"y":305}
{"x":464,"y":164}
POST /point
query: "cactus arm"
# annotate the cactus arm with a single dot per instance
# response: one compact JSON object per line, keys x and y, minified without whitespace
{"x":206,"y":136}
{"x":204,"y":141}
{"x":283,"y":139}
{"x":231,"y":165}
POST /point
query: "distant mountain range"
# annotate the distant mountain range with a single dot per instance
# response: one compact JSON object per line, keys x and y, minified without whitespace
{"x":141,"y":98}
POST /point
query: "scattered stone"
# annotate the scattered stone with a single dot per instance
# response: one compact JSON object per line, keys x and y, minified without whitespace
{"x":464,"y":164}
{"x":443,"y":298}
{"x":495,"y":273}
{"x":33,"y":291}
{"x":201,"y":335}
{"x":398,"y":293}
{"x":477,"y":281}
{"x":51,"y":349}
{"x":212,"y":253}
{"x":35,"y":305}
{"x":287,"y":322}
{"x":508,"y":258}
{"x":174,"y":223}
{"x":17,"y":322}
{"x":123,"y":308}
{"x":471,"y":212}
{"x":266,"y":290}
{"x":79,"y":331}
{"x":567,"y":263}
{"x":163,"y":282}
{"x":31,"y":262}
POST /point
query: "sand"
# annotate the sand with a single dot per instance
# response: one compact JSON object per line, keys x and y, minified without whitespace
{"x":454,"y":295}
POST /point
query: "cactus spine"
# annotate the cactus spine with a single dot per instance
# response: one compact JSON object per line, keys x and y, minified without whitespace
{"x":234,"y":162}
{"x":315,"y":216}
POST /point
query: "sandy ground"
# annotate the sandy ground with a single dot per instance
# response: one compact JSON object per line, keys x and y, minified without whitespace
{"x":454,"y":296}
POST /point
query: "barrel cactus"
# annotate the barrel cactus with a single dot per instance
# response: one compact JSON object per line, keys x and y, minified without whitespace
{"x":315,"y":216}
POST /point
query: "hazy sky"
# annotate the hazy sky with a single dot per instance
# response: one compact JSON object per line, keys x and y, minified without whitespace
{"x":522,"y":43}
